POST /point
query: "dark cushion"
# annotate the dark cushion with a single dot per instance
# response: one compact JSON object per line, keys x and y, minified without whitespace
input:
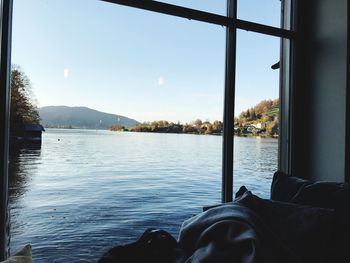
{"x":318,"y":194}
{"x":284,"y":187}
{"x":308,"y":231}
{"x":300,"y":191}
{"x":155,"y":245}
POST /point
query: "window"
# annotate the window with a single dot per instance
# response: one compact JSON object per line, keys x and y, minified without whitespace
{"x":145,"y":66}
{"x":256,"y":111}
{"x":200,"y":64}
{"x":5,"y":45}
{"x":266,"y":12}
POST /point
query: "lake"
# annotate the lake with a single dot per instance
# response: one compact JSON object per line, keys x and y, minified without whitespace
{"x":86,"y":191}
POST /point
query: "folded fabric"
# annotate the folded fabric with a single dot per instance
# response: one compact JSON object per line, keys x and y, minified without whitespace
{"x":232,"y":233}
{"x":155,"y":245}
{"x":249,"y":230}
{"x":310,"y":232}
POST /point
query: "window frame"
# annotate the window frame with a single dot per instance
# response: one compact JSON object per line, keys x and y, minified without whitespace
{"x":232,"y":24}
{"x":5,"y":68}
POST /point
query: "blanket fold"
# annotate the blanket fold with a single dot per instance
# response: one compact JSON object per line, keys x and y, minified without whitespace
{"x":248,"y":230}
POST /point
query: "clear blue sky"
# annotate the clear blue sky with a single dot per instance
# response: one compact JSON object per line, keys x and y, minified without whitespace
{"x":141,"y":64}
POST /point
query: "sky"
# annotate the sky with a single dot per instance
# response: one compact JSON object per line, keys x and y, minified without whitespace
{"x":141,"y":64}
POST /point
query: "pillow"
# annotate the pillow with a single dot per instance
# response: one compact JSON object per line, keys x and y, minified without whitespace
{"x":308,"y":231}
{"x":300,"y":191}
{"x":22,"y":256}
{"x":284,"y":187}
{"x":317,"y":194}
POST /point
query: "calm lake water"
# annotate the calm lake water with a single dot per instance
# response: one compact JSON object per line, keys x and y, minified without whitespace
{"x":85,"y":191}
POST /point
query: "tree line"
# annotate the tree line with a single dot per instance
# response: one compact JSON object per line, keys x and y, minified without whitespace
{"x":265,"y":113}
{"x":24,"y":111}
{"x":23,"y":108}
{"x":195,"y":127}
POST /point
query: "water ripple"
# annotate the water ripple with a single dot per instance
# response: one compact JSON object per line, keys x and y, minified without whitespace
{"x":77,"y":197}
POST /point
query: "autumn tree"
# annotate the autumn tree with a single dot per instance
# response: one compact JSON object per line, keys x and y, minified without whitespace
{"x":217,"y":126}
{"x":23,"y":108}
{"x":198,"y":123}
{"x":272,"y":128}
{"x":253,"y":115}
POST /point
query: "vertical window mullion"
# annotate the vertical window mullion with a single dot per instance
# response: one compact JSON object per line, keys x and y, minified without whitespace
{"x":284,"y":113}
{"x":229,"y":104}
{"x":286,"y":78}
{"x":5,"y":66}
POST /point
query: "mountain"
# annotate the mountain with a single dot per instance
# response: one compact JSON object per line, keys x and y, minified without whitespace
{"x":81,"y":117}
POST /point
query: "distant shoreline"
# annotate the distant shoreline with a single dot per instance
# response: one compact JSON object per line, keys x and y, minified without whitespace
{"x":214,"y":134}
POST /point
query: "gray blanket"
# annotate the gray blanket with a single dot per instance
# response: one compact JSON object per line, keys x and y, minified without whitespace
{"x":231,"y":233}
{"x":248,"y":230}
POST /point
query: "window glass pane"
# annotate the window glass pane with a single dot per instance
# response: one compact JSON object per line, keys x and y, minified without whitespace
{"x":256,"y":112}
{"x":211,"y":6}
{"x":86,"y":188}
{"x":267,"y":12}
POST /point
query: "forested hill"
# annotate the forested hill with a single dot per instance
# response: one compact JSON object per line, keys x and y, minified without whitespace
{"x":81,"y":117}
{"x":265,"y":113}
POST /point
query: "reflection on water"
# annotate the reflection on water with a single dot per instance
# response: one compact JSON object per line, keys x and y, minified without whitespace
{"x":22,"y":162}
{"x":19,"y":166}
{"x":85,"y":191}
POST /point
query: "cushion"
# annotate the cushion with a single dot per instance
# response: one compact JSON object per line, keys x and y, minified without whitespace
{"x":318,"y":194}
{"x":22,"y":256}
{"x":300,"y":191}
{"x":155,"y":245}
{"x":284,"y":187}
{"x":308,"y":231}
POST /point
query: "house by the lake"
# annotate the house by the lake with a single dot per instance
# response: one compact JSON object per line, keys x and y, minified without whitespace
{"x":26,"y":134}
